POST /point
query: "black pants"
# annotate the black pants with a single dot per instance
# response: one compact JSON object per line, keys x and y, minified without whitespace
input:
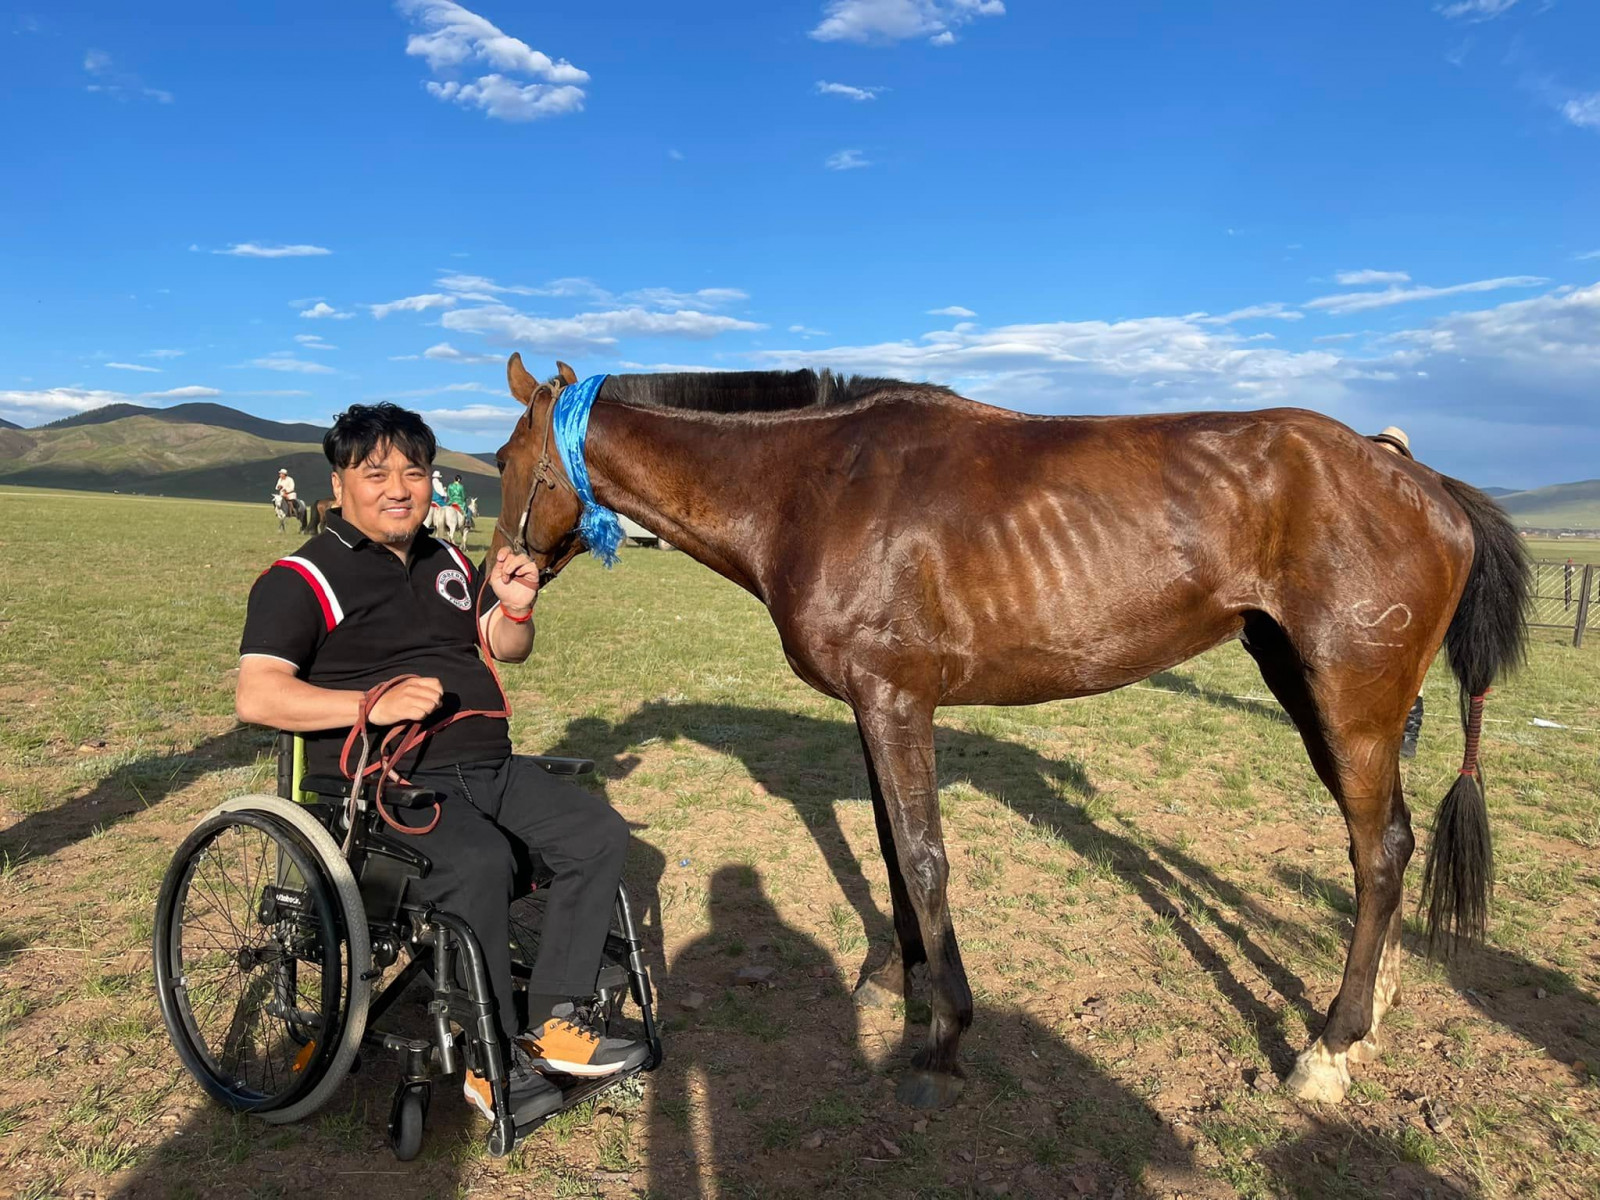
{"x":493,"y":814}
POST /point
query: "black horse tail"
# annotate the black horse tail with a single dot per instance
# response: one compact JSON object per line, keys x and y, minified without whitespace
{"x":1487,"y":637}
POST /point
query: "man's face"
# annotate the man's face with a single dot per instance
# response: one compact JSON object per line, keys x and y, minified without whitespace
{"x":385,"y":497}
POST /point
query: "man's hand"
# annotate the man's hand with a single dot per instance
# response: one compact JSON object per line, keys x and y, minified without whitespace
{"x":408,"y":701}
{"x":515,"y":580}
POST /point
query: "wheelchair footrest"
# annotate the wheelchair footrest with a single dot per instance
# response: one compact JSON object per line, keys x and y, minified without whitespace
{"x":587,"y":1089}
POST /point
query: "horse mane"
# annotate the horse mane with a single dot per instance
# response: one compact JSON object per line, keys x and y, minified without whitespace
{"x":754,"y":391}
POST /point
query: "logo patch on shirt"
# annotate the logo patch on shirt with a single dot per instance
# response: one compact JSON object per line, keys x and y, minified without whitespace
{"x":452,"y":585}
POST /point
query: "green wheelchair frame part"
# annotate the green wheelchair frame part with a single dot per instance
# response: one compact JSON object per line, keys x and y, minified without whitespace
{"x":289,"y":780}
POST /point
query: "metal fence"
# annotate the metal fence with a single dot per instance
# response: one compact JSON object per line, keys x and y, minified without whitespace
{"x":1566,"y":595}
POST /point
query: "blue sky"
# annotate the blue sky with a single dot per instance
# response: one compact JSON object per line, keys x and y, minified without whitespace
{"x":1388,"y":211}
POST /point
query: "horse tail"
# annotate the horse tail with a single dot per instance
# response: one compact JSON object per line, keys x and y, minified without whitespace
{"x":1487,"y":637}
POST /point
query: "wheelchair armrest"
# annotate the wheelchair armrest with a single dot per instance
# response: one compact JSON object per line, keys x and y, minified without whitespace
{"x":396,"y":795}
{"x":558,"y":765}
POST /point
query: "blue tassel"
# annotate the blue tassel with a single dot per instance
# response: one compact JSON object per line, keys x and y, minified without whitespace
{"x":599,"y":527}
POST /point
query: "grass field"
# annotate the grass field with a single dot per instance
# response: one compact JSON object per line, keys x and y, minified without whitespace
{"x":1151,"y":889}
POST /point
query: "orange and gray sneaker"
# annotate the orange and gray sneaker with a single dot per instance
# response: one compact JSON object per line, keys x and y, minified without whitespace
{"x":532,"y":1095}
{"x":568,"y":1043}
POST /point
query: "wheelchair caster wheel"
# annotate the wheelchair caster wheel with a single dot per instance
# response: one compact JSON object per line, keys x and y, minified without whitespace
{"x":407,"y":1118}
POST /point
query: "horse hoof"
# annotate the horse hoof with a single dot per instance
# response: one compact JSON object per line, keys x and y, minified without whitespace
{"x":929,"y":1089}
{"x":872,"y":994}
{"x":1318,"y":1076}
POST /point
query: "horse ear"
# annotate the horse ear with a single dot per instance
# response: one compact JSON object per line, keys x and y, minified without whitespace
{"x":517,"y":378}
{"x":566,"y":374}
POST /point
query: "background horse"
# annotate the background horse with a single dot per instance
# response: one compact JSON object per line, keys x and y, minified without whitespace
{"x":284,"y":510}
{"x":448,"y":520}
{"x":917,"y":549}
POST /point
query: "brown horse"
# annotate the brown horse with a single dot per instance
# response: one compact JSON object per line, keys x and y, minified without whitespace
{"x":917,"y":549}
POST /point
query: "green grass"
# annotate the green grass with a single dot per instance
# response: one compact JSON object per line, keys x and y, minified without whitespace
{"x":1167,"y":847}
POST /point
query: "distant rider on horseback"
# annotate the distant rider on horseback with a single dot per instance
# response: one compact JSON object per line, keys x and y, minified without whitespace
{"x":456,"y":493}
{"x":285,"y":488}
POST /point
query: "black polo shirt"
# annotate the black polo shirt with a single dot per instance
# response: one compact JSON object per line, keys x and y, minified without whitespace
{"x":346,"y":613}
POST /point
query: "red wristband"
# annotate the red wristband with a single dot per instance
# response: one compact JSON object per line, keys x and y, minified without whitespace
{"x":522,"y":620}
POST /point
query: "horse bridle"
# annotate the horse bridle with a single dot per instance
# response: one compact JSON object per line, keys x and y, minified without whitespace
{"x":547,"y":474}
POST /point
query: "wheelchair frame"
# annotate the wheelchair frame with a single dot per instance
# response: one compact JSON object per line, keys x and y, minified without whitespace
{"x":367,"y":882}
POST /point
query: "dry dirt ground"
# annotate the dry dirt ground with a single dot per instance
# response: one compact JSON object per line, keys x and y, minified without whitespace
{"x":1150,"y":888}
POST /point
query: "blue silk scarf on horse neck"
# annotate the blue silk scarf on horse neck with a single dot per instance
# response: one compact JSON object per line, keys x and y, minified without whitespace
{"x":599,"y":527}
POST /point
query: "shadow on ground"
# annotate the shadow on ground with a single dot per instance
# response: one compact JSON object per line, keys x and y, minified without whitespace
{"x":129,"y":789}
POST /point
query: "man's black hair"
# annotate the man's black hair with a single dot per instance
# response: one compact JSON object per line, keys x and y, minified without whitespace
{"x":360,"y":429}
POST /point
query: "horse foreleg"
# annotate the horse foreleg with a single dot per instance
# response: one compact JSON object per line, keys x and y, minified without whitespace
{"x":897,"y":730}
{"x":891,"y":979}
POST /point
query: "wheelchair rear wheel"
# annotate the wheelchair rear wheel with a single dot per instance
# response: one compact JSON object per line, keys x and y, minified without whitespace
{"x":261,"y":953}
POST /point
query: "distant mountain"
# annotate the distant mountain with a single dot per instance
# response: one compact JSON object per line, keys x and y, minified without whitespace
{"x":149,"y":454}
{"x":5,"y":424}
{"x":1497,"y":491}
{"x":1560,"y":506}
{"x":197,"y":413}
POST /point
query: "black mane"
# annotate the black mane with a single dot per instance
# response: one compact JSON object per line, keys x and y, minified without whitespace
{"x":752,"y":391}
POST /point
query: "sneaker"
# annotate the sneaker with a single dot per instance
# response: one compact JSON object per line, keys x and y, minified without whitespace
{"x":532,"y":1095}
{"x":569,"y":1043}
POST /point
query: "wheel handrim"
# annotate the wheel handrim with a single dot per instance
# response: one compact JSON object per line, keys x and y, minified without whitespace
{"x":255,"y":961}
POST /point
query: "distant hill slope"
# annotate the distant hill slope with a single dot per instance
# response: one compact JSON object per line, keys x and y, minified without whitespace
{"x":5,"y":424}
{"x":1560,"y":506}
{"x":151,"y":455}
{"x":197,"y":413}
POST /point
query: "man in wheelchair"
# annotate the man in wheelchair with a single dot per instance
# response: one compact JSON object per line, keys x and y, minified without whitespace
{"x":372,"y":600}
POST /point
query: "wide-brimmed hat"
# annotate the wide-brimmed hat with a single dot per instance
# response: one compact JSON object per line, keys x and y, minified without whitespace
{"x":1399,"y":435}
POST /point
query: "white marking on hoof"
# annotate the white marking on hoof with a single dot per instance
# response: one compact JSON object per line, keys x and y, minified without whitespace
{"x":1367,"y":1049}
{"x":1319,"y":1075}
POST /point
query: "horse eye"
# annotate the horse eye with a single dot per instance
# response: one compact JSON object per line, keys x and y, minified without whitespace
{"x":500,"y":466}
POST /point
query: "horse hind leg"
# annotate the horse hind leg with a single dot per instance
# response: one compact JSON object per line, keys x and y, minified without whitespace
{"x":1353,"y":739}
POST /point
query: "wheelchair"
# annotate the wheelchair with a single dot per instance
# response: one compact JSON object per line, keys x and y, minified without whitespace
{"x":276,"y":923}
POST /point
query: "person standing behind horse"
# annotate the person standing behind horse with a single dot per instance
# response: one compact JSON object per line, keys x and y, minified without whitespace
{"x":1394,"y":440}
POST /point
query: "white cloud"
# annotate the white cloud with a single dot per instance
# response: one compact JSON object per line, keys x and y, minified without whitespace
{"x":846,"y":160}
{"x":591,"y":329}
{"x":192,"y":392}
{"x":475,"y":418}
{"x":1586,"y":255}
{"x":445,"y":352}
{"x":479,"y":286}
{"x":954,"y":310}
{"x":705,"y":298}
{"x":162,"y":354}
{"x":675,"y":155}
{"x":253,"y":250}
{"x":134,"y":367}
{"x":1254,"y":312}
{"x":413,"y":304}
{"x":313,"y":341}
{"x":1361,"y":301}
{"x":897,"y":20}
{"x":284,"y":360}
{"x":1583,"y":111}
{"x":119,"y":84}
{"x":1356,"y":278}
{"x":806,"y":332}
{"x":456,"y":37}
{"x":824,"y":88}
{"x":51,"y":404}
{"x":1475,"y":10}
{"x":324,"y":311}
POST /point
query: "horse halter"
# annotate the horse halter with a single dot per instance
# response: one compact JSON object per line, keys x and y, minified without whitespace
{"x":546,"y":473}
